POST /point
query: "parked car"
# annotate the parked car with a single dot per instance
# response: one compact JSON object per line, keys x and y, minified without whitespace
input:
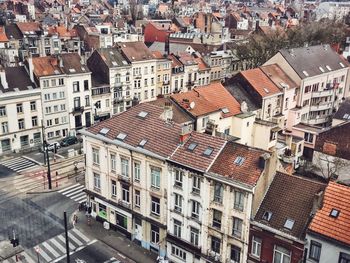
{"x":51,"y":146}
{"x":69,"y":141}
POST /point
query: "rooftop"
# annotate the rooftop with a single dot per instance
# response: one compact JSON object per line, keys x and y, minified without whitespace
{"x":136,"y":51}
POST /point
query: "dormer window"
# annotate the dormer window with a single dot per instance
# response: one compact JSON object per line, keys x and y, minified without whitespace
{"x":334,"y":213}
{"x":289,"y":224}
{"x":267,"y":216}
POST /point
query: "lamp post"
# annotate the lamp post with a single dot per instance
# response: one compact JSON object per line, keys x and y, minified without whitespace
{"x":44,"y":141}
{"x":37,"y":250}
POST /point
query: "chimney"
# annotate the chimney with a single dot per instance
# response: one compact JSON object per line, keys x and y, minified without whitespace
{"x":3,"y":78}
{"x":317,"y":202}
{"x":167,"y":114}
{"x":186,"y":130}
{"x":262,"y":160}
{"x":31,"y":68}
{"x":167,"y":45}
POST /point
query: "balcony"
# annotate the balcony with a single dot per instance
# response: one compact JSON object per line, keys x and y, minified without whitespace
{"x":213,"y":256}
{"x":101,"y":90}
{"x":137,"y":76}
{"x":124,"y":178}
{"x":321,"y":106}
{"x":166,"y":82}
{"x":118,"y":99}
{"x":124,"y":203}
{"x":190,"y":83}
{"x":323,"y":93}
{"x":318,"y":120}
{"x":78,"y":109}
{"x":118,"y":85}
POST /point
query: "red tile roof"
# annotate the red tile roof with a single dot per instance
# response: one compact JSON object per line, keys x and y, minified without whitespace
{"x":45,"y":66}
{"x":336,"y":197}
{"x":26,"y":27}
{"x":136,"y":51}
{"x":207,"y":99}
{"x":260,"y":82}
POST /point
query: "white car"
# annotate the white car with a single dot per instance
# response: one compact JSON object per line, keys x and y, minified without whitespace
{"x":51,"y":146}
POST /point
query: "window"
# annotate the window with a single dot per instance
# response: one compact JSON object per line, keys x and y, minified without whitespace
{"x":61,"y":82}
{"x":113,"y":163}
{"x":87,"y":101}
{"x":205,"y":121}
{"x":237,"y":227}
{"x":86,"y":85}
{"x":178,"y":178}
{"x":95,"y":156}
{"x":178,"y":253}
{"x":309,"y":137}
{"x":177,"y":228}
{"x":281,"y":255}
{"x":63,"y":107}
{"x":315,"y":250}
{"x":215,"y":244}
{"x":56,"y":120}
{"x":344,"y":258}
{"x":46,"y":83}
{"x":155,"y":206}
{"x":19,"y":108}
{"x":256,"y":246}
{"x":48,"y":122}
{"x":154,"y":234}
{"x":114,"y":188}
{"x":2,"y":111}
{"x":286,"y":104}
{"x":125,"y":167}
{"x":21,"y":124}
{"x":97,"y":182}
{"x":155,"y":177}
{"x":33,"y":106}
{"x":196,"y":185}
{"x":194,"y":236}
{"x":76,"y":86}
{"x":125,"y":193}
{"x":137,"y":171}
{"x":217,"y":218}
{"x":152,"y":69}
{"x":4,"y":127}
{"x":34,"y":121}
{"x":195,"y":209}
{"x":53,"y":82}
{"x":137,"y":198}
{"x":178,"y":203}
{"x":235,"y":254}
{"x":218,"y":192}
{"x":239,"y":201}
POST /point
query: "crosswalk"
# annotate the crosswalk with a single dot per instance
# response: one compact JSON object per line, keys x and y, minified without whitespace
{"x":19,"y":164}
{"x":53,"y":249}
{"x":74,"y":192}
{"x":112,"y":260}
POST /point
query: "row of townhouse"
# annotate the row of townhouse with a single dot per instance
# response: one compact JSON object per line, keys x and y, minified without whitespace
{"x":180,"y":193}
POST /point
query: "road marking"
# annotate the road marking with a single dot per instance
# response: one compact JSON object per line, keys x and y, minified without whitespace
{"x":49,"y":248}
{"x":81,"y":235}
{"x":78,"y":195}
{"x":122,"y":255}
{"x":77,"y":190}
{"x":44,"y":255}
{"x":72,"y":252}
{"x":63,"y":190}
{"x":71,"y":246}
{"x":80,"y":199}
{"x":62,"y":157}
{"x":27,"y":257}
{"x":58,"y":245}
{"x":77,"y":241}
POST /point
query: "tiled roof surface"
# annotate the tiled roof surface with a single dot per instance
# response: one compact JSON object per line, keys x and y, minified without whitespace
{"x":174,"y":61}
{"x":27,"y":27}
{"x":260,"y":82}
{"x":247,"y":173}
{"x":196,"y":158}
{"x":12,"y":31}
{"x":289,"y":197}
{"x":208,"y":99}
{"x":17,"y":78}
{"x":278,"y":76}
{"x":45,"y":66}
{"x":338,"y":138}
{"x":201,"y":64}
{"x":344,"y":108}
{"x":3,"y":37}
{"x":136,"y":51}
{"x":336,"y":197}
{"x":112,"y":57}
{"x":72,"y":64}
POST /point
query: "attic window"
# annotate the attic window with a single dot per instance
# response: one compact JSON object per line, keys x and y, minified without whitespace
{"x":192,"y":146}
{"x":142,"y":114}
{"x":208,"y":151}
{"x":72,"y":70}
{"x":328,"y":67}
{"x":305,"y":73}
{"x":124,"y":62}
{"x":114,"y":63}
{"x":322,"y":70}
{"x":267,"y":216}
{"x":143,"y":142}
{"x":346,"y":116}
{"x":342,"y":65}
{"x":104,"y":131}
{"x":225,"y":110}
{"x":334,"y":213}
{"x":121,"y":136}
{"x":289,"y":224}
{"x":57,"y":71}
{"x":266,"y":90}
{"x":239,"y":160}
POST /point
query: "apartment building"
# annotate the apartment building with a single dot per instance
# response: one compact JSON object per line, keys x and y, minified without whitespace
{"x":163,"y":73}
{"x":321,"y":75}
{"x":190,"y":71}
{"x":20,"y":111}
{"x":177,"y":74}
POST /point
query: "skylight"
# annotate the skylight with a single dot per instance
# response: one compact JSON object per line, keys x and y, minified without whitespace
{"x":266,"y":90}
{"x":289,"y":223}
{"x":334,"y":213}
{"x":121,"y":136}
{"x":322,"y":70}
{"x":72,"y":70}
{"x":225,"y":110}
{"x":305,"y":73}
{"x":239,"y":160}
{"x":208,"y":151}
{"x":104,"y":131}
{"x":114,"y":63}
{"x":346,"y":116}
{"x":192,"y":146}
{"x":142,"y":114}
{"x":267,"y":215}
{"x":143,"y":142}
{"x":328,"y":67}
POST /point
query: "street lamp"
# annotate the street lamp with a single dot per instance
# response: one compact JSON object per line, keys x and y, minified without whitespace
{"x":37,"y":250}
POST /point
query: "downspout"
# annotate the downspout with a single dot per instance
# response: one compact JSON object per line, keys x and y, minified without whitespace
{"x":132,"y":189}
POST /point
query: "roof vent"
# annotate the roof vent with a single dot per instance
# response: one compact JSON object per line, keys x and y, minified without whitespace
{"x":322,"y":70}
{"x":289,"y":224}
{"x":121,"y":136}
{"x":334,"y":213}
{"x":142,"y":142}
{"x":72,"y":70}
{"x":104,"y":131}
{"x":208,"y":151}
{"x":114,"y":63}
{"x":142,"y":114}
{"x":239,"y":160}
{"x":267,"y":216}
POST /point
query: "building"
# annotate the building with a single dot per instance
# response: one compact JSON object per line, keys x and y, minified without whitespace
{"x":328,"y":233}
{"x":163,"y":73}
{"x":20,"y":111}
{"x":157,"y":31}
{"x":278,"y":230}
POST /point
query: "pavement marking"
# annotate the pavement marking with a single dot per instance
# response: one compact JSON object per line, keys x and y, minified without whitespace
{"x":71,"y":246}
{"x":49,"y":248}
{"x":19,"y":164}
{"x":62,"y":157}
{"x":27,"y":257}
{"x":77,"y":190}
{"x":122,"y":255}
{"x":81,"y":193}
{"x":72,"y":252}
{"x":77,"y":241}
{"x":81,"y":235}
{"x":58,"y":245}
{"x":63,"y":190}
{"x":80,"y":199}
{"x":44,"y":255}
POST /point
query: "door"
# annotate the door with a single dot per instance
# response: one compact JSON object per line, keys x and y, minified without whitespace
{"x":138,"y":229}
{"x":6,"y":145}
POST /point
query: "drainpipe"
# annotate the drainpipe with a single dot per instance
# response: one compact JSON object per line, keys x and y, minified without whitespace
{"x":132,"y":187}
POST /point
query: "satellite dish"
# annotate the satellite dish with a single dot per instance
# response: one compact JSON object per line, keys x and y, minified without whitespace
{"x":192,"y":104}
{"x":244,"y":107}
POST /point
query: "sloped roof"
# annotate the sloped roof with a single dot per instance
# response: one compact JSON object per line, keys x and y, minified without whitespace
{"x":46,"y":66}
{"x":336,"y":197}
{"x":344,"y":109}
{"x":289,"y":197}
{"x":71,"y":64}
{"x":278,"y":76}
{"x":112,"y":57}
{"x":29,"y":27}
{"x":17,"y":78}
{"x":248,"y":173}
{"x":136,"y":51}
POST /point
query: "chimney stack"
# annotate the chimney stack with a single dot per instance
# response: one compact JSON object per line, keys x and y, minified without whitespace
{"x":3,"y":78}
{"x":186,"y":130}
{"x":167,"y":114}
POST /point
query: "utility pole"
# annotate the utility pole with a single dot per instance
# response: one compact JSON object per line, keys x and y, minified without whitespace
{"x":48,"y":167}
{"x":44,"y":142}
{"x":66,"y":231}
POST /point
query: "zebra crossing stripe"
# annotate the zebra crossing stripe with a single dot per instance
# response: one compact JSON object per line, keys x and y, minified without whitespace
{"x":77,"y":241}
{"x":71,"y":246}
{"x":44,"y":255}
{"x":50,"y":249}
{"x":11,"y":161}
{"x":70,"y":187}
{"x":77,"y":190}
{"x":81,"y":235}
{"x":80,"y":199}
{"x":27,"y":257}
{"x":58,"y":245}
{"x":77,"y":195}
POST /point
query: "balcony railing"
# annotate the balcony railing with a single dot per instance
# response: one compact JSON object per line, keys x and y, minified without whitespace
{"x":124,"y":178}
{"x":124,"y":203}
{"x":321,"y":106}
{"x":78,"y":109}
{"x":323,"y":93}
{"x":165,"y":82}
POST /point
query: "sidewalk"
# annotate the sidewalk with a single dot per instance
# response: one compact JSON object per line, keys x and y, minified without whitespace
{"x":115,"y":240}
